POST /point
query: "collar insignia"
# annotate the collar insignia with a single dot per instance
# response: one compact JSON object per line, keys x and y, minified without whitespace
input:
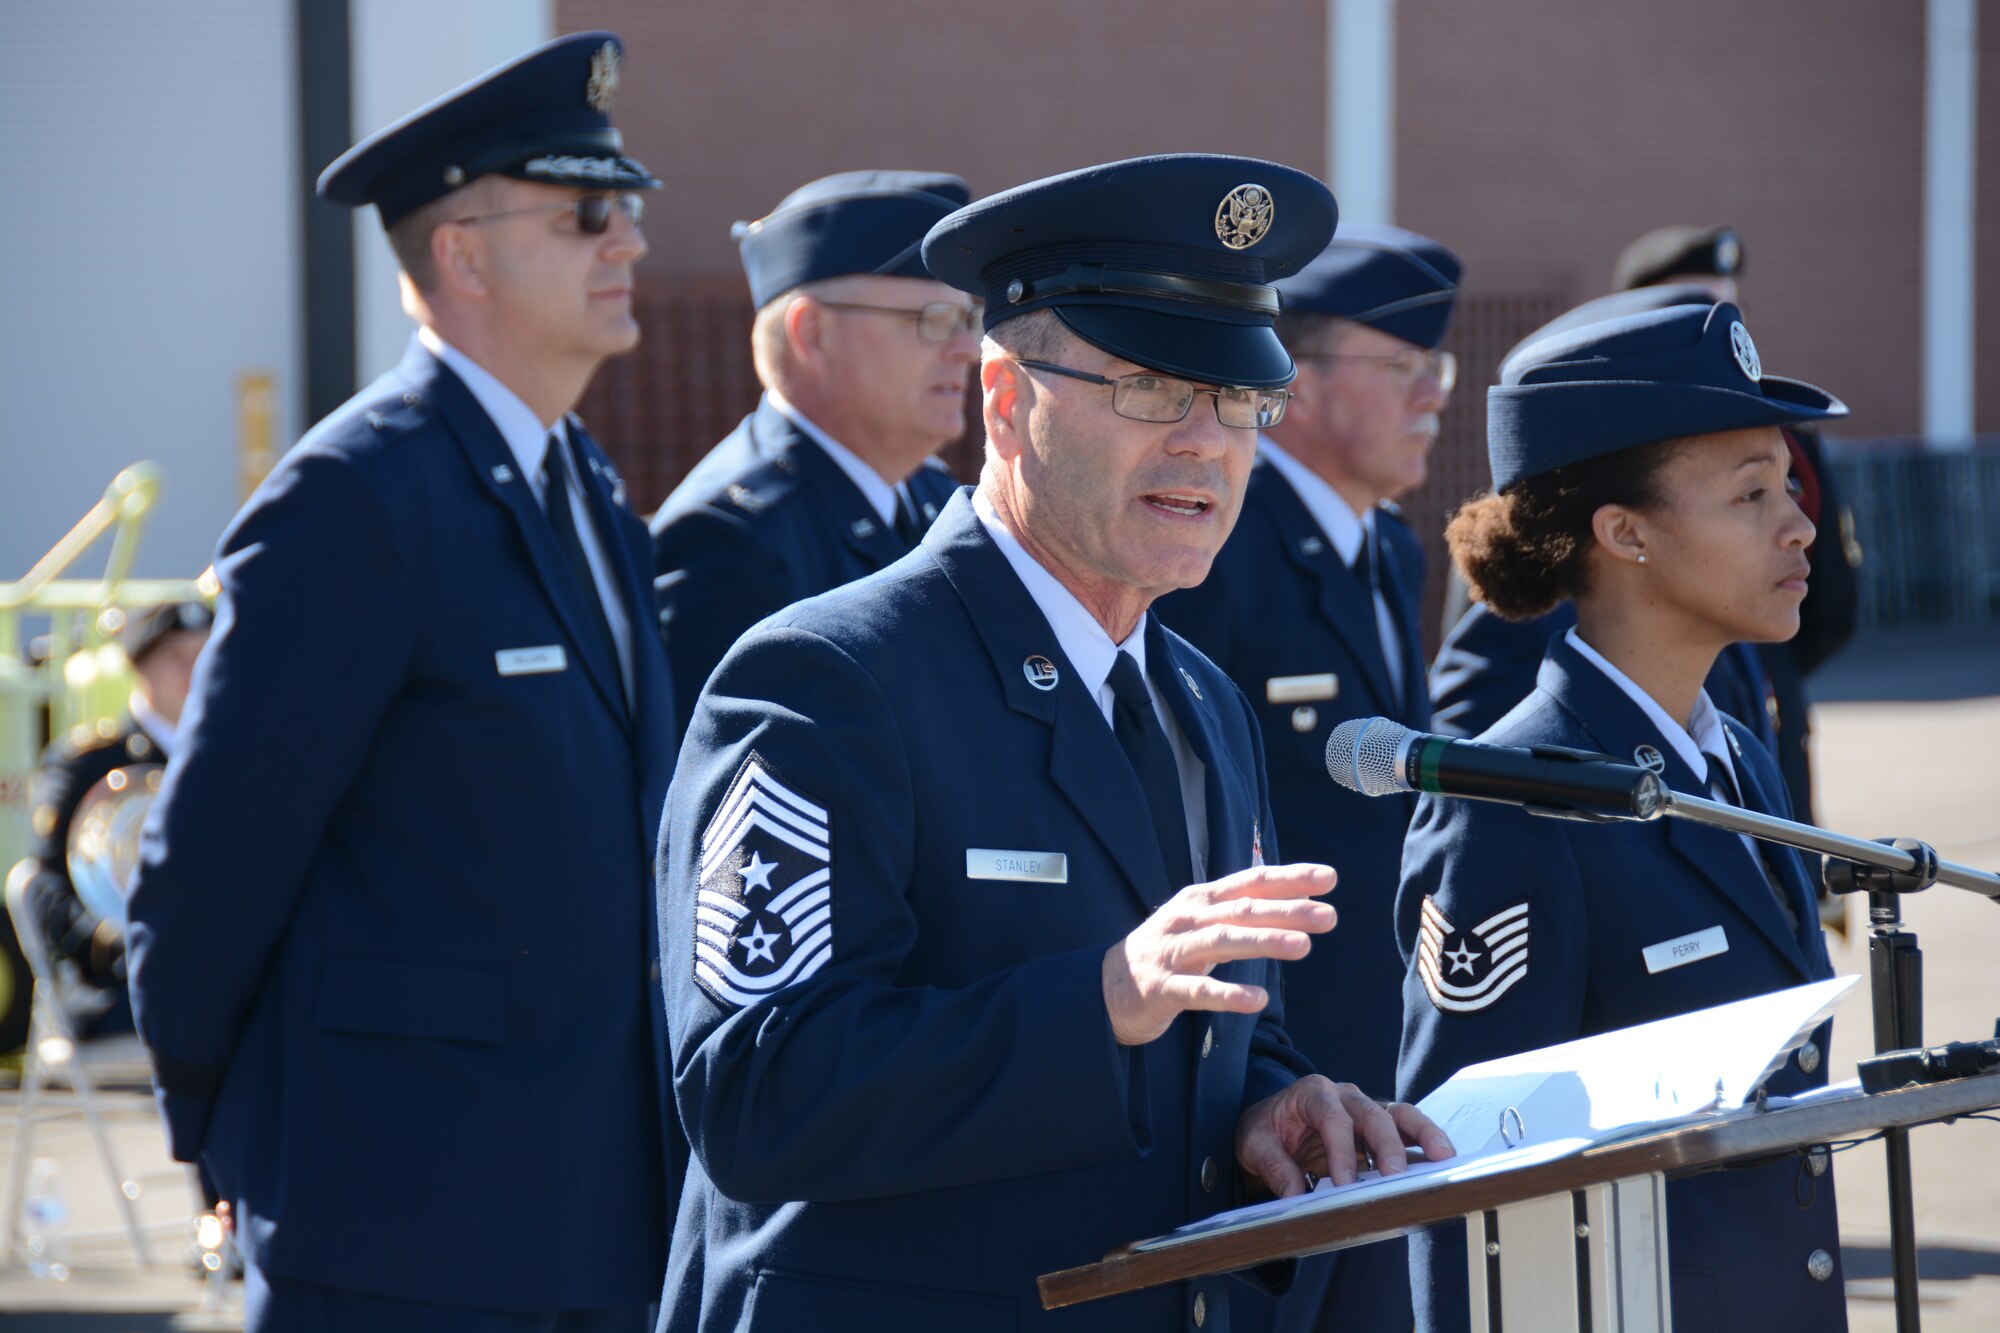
{"x":1041,"y":672}
{"x":1649,"y":757}
{"x":1243,"y":218}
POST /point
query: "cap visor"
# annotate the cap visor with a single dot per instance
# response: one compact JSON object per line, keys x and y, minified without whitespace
{"x":1208,"y":351}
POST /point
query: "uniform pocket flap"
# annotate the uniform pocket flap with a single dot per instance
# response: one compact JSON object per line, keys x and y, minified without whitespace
{"x":445,"y":998}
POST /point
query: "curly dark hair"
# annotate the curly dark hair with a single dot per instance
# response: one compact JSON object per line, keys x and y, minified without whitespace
{"x":1523,"y":551}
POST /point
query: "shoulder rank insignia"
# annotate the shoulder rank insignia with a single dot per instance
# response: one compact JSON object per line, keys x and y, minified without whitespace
{"x":1467,"y":970}
{"x":763,"y":918}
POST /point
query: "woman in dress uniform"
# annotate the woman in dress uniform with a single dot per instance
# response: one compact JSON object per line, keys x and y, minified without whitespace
{"x":1638,"y":472}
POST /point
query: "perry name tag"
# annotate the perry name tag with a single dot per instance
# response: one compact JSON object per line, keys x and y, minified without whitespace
{"x":1038,"y":867}
{"x":1301,"y":689}
{"x":1687,"y":949}
{"x":531,"y":661}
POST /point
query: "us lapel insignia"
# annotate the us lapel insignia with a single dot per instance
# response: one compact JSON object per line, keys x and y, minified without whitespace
{"x":1649,"y":757}
{"x":1468,"y":970}
{"x":1041,"y":672}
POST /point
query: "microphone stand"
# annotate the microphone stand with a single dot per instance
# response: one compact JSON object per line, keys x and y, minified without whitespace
{"x":1884,"y":871}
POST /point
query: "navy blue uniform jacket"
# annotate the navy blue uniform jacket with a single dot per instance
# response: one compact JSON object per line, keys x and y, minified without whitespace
{"x":1281,"y":603}
{"x":933,"y":1111}
{"x":766,"y":519}
{"x":398,"y":992}
{"x":1486,"y":665}
{"x":1597,"y":895}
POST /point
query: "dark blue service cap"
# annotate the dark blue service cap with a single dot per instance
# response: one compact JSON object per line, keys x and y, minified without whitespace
{"x":1614,"y":306}
{"x":1387,"y":278}
{"x":852,"y":222}
{"x":1667,"y":251}
{"x":1165,"y":261}
{"x":1598,"y":388}
{"x":544,"y":117}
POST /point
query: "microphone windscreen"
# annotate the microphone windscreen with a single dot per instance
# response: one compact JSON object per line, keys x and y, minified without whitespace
{"x":1361,"y":755}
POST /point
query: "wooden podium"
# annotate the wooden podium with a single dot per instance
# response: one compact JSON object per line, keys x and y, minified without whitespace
{"x":1574,"y":1243}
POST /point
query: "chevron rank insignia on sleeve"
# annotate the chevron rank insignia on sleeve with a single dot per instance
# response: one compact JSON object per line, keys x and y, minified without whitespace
{"x":1467,"y":970}
{"x":763,"y":918}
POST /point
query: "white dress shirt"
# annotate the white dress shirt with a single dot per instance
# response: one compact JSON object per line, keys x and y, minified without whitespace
{"x":880,"y":492}
{"x":162,"y":733}
{"x":528,"y":439}
{"x":1704,"y":736}
{"x":1346,"y":530}
{"x":1092,"y":653}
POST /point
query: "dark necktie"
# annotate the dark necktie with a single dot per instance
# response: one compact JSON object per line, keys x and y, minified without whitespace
{"x":1138,"y":730}
{"x":556,"y":486}
{"x":1722,"y":786}
{"x":908,"y":526}
{"x":1367,"y":569}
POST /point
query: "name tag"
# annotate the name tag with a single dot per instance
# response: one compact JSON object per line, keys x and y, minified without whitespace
{"x":1687,"y":949}
{"x":1040,"y":867}
{"x":1301,"y":689}
{"x":531,"y":661}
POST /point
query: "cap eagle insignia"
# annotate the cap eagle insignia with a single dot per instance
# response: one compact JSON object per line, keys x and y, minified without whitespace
{"x":603,"y":79}
{"x":1244,"y":216}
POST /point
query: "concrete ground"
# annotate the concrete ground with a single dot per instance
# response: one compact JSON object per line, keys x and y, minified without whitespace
{"x":1909,"y":744}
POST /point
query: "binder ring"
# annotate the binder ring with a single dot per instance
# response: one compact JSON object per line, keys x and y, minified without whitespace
{"x":1520,"y":1134}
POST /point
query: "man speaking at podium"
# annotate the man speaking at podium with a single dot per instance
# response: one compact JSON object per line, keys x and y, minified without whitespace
{"x":970,"y":948}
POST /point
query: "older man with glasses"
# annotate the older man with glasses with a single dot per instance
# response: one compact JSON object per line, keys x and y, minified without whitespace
{"x":392,"y":943}
{"x":978,"y":980}
{"x":1312,"y":610}
{"x":865,"y":360}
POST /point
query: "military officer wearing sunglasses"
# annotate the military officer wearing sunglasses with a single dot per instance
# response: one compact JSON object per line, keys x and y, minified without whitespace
{"x":401,"y":998}
{"x":981,"y":979}
{"x":864,"y":359}
{"x":1312,"y":610}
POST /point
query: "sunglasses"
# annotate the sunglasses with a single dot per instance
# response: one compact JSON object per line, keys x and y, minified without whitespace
{"x":593,"y":212}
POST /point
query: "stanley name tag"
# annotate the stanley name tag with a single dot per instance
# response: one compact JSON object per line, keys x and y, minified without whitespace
{"x":1040,"y":867}
{"x":1687,"y":949}
{"x":531,"y":661}
{"x":1301,"y":689}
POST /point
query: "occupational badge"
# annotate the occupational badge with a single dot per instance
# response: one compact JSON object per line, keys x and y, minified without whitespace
{"x":763,"y":918}
{"x":603,"y":79}
{"x":1746,"y":351}
{"x":1467,"y":970}
{"x":1244,"y":216}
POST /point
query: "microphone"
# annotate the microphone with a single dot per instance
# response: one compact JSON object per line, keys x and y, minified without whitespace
{"x":1378,"y":757}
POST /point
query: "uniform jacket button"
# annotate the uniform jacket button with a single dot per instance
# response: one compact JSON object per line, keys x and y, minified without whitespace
{"x":1820,"y":1265}
{"x":1208,"y":1041}
{"x":1809,"y":1057}
{"x":1200,"y":1309}
{"x":1208,"y":1175}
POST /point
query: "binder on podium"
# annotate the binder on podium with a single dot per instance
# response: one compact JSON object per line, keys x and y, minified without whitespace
{"x":1561,"y":1177}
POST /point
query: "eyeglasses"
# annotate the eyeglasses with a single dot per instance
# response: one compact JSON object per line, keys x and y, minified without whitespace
{"x":1164,"y":399}
{"x":593,"y":212}
{"x":938,"y":322}
{"x":1404,"y":368}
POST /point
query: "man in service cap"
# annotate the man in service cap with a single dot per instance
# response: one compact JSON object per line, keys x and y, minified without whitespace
{"x":400,"y":995}
{"x":1312,"y":609}
{"x":864,"y":359}
{"x":982,"y":975}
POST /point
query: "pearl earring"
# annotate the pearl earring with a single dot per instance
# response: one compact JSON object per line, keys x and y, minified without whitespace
{"x":1642,"y":557}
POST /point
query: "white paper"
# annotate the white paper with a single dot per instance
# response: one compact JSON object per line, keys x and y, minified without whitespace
{"x":1712,"y":1059}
